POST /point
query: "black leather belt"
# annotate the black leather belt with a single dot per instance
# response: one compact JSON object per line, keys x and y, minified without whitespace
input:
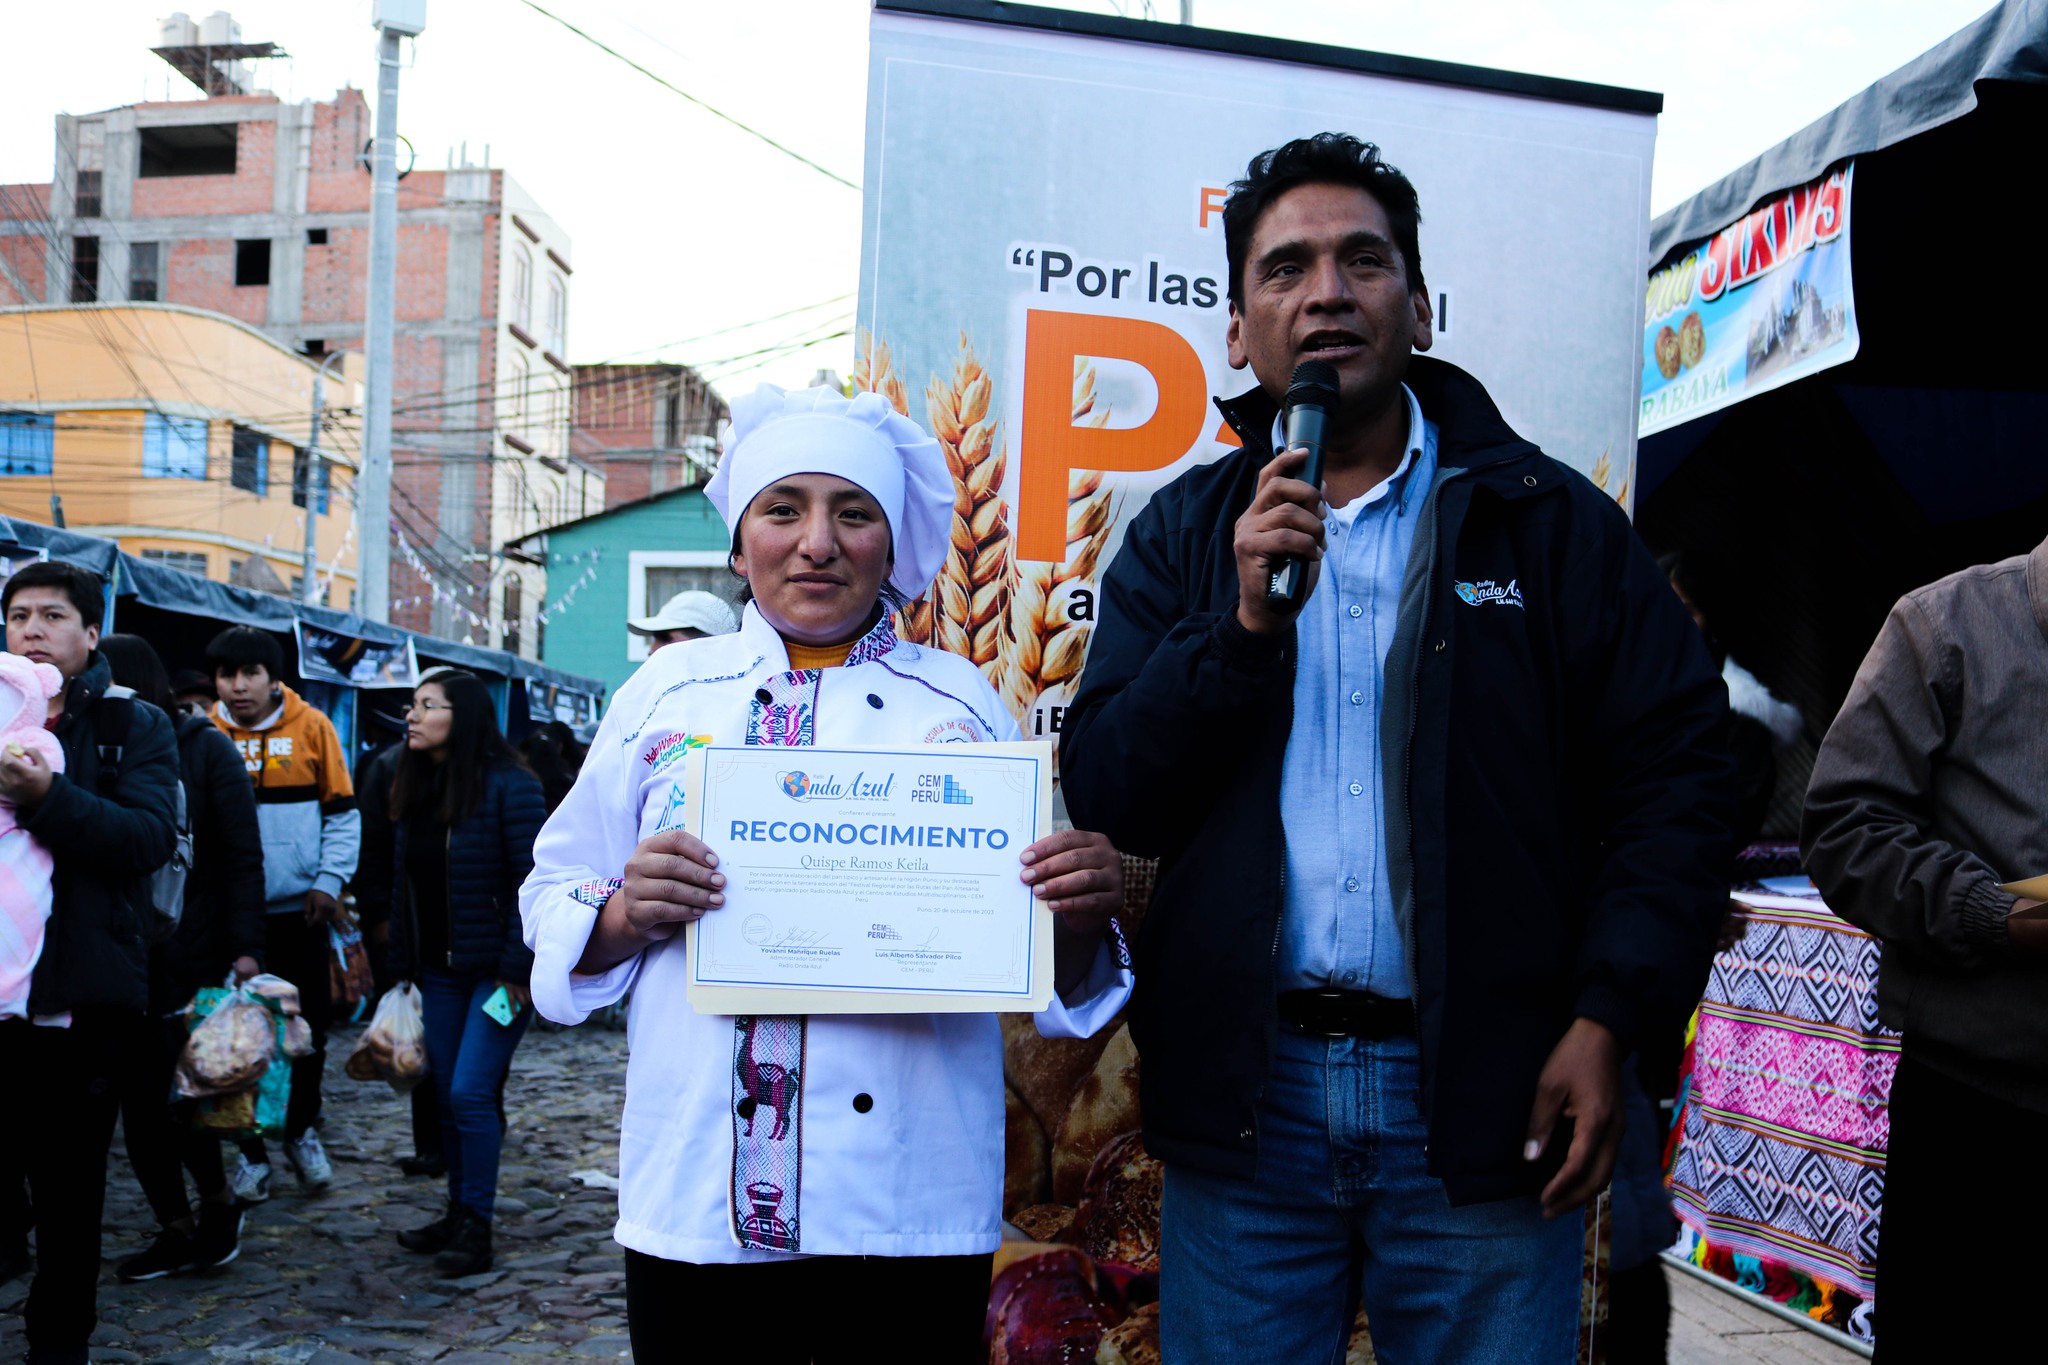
{"x":1346,"y":1014}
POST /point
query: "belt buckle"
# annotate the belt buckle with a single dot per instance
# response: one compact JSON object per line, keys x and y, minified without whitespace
{"x":1332,"y":998}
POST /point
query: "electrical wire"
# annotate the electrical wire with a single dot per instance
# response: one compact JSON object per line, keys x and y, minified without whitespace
{"x":676,"y":89}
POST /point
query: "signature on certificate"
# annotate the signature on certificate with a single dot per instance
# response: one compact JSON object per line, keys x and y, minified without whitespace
{"x":799,"y":938}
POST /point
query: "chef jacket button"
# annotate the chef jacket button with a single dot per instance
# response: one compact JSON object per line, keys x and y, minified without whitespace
{"x":863,"y":1102}
{"x":745,"y":1108}
{"x":763,"y":695}
{"x":874,"y":701}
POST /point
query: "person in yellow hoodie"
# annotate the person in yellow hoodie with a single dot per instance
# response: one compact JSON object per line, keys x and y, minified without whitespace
{"x":312,"y":832}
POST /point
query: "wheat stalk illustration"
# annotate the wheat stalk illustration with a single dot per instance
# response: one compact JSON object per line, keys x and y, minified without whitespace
{"x":973,"y":588}
{"x":1043,"y":648}
{"x":874,"y":371}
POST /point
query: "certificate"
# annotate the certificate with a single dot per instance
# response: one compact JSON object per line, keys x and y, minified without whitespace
{"x":871,"y":881}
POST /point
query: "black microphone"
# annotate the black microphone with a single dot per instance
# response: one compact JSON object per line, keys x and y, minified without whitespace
{"x":1311,"y":402}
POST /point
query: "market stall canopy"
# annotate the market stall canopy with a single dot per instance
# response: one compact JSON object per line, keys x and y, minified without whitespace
{"x":31,"y":540}
{"x":2008,"y":44}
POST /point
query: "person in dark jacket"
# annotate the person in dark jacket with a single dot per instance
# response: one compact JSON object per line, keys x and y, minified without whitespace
{"x":1456,"y":843}
{"x":464,"y":813}
{"x":108,"y":821}
{"x":220,"y":931}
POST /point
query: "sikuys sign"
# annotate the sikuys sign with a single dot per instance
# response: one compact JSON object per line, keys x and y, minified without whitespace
{"x":1763,"y":302}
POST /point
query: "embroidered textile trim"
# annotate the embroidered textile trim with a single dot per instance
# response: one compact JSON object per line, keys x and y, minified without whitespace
{"x":595,"y":893}
{"x":767,"y":1146}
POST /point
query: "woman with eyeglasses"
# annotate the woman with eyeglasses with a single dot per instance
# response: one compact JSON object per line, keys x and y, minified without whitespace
{"x":464,"y":813}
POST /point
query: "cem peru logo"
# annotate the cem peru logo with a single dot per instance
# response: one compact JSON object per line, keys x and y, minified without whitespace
{"x":1131,"y":310}
{"x":669,"y":748}
{"x":1486,"y":592}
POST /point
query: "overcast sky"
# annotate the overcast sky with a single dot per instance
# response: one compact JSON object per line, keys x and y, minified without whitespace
{"x":690,"y":237}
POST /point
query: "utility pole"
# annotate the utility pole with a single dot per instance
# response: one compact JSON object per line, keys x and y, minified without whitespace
{"x":312,"y":485}
{"x":393,"y":19}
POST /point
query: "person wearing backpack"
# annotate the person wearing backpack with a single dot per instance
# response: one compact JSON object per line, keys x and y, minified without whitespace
{"x":219,"y":930}
{"x":109,"y":822}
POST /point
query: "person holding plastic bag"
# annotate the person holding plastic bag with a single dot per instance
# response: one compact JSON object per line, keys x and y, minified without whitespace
{"x":221,"y":929}
{"x":887,"y":1136}
{"x":464,"y":813}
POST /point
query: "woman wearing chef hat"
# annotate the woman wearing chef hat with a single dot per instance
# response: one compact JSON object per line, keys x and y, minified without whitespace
{"x":867,"y":1188}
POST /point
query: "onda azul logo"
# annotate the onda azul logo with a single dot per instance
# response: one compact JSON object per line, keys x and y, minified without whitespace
{"x":1487,"y":591}
{"x":803,"y":786}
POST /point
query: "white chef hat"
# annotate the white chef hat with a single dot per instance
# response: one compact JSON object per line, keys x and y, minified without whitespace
{"x":862,"y":439}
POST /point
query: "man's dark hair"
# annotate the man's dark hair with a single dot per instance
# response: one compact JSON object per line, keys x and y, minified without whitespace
{"x":84,"y":587}
{"x":137,"y":667}
{"x":237,"y":647}
{"x":1325,"y":159}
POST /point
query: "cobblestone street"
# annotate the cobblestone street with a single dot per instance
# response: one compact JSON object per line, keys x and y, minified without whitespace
{"x":321,"y":1281}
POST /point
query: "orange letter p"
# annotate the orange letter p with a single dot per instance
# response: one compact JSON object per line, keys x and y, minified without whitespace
{"x":1052,"y":445}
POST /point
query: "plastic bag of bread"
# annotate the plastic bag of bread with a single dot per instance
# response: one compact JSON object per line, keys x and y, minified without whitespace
{"x":394,"y":1047}
{"x":275,"y":988}
{"x":229,"y":1050}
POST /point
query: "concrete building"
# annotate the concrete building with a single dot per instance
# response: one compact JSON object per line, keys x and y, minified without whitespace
{"x":182,"y":435}
{"x":259,"y":210}
{"x":650,"y":428}
{"x":624,"y":562}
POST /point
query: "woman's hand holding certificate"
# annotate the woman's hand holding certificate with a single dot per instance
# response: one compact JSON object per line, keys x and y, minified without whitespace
{"x":671,"y":879}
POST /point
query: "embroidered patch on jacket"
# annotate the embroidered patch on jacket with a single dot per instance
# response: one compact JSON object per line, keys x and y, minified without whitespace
{"x":1487,"y":591}
{"x":670,"y":748}
{"x":784,"y":710}
{"x":961,"y":731}
{"x":767,"y":1131}
{"x":595,"y":894}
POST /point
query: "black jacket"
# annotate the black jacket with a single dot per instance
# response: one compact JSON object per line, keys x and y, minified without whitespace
{"x":105,"y":837}
{"x":223,"y":917}
{"x":1559,"y":796}
{"x":489,"y":855}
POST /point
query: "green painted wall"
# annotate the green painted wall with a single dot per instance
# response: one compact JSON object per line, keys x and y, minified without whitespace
{"x":590,"y":636}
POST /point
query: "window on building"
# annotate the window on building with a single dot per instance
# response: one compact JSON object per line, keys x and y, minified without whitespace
{"x":189,"y":149}
{"x":314,"y":346}
{"x":522,"y":288}
{"x":145,"y":271}
{"x":27,"y":442}
{"x":249,"y":464}
{"x":173,"y":447}
{"x":557,"y":330}
{"x":322,"y":482}
{"x":316,"y":236}
{"x":518,"y":392}
{"x":252,"y":261}
{"x":85,"y":199}
{"x":515,"y":607}
{"x":672,"y":418}
{"x":185,"y":561}
{"x":85,"y":269}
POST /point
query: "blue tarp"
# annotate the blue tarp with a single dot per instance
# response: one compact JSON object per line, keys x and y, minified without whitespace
{"x":174,"y":590}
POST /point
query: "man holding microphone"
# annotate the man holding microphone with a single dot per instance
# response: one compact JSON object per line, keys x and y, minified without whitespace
{"x":1456,"y":844}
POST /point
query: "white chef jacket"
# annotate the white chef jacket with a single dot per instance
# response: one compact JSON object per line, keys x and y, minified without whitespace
{"x":917,"y":1170}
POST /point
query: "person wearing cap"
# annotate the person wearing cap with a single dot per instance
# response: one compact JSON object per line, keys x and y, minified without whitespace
{"x":882,"y":1169}
{"x":686,"y":616}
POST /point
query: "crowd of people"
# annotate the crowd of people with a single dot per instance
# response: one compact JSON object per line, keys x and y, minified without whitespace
{"x":1433,"y":907}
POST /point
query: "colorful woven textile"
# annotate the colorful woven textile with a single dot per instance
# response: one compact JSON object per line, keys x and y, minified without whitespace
{"x":1782,"y":1132}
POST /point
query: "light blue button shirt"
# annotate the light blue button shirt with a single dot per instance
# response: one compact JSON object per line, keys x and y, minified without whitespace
{"x":1337,"y":925}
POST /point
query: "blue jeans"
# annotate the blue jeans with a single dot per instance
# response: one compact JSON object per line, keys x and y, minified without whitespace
{"x":1341,"y":1206}
{"x":469,"y":1053}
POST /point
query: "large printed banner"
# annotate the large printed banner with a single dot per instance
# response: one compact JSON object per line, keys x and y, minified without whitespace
{"x":1762,"y":302}
{"x":1044,"y":285}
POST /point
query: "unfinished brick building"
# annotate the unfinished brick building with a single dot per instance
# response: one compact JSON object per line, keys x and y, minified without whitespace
{"x":244,"y":205}
{"x":649,"y":427}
